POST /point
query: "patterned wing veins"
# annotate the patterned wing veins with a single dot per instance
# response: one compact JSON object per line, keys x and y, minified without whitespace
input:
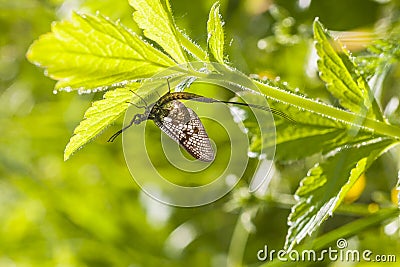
{"x":184,"y":126}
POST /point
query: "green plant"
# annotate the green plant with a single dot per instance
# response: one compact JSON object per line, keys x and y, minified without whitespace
{"x":91,"y":53}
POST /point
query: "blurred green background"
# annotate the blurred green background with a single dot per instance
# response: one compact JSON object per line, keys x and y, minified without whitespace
{"x":88,"y":211}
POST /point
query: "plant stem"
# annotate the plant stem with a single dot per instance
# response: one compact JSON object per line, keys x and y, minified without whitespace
{"x":354,"y":227}
{"x":329,"y":111}
{"x":238,"y":244}
{"x":191,"y":47}
{"x":286,"y":201}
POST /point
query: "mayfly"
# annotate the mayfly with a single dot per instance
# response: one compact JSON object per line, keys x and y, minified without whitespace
{"x":181,"y":123}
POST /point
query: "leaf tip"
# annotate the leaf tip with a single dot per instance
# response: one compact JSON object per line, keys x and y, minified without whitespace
{"x":317,"y":26}
{"x":28,"y":54}
{"x":216,"y":6}
{"x":66,"y":156}
{"x":67,"y":151}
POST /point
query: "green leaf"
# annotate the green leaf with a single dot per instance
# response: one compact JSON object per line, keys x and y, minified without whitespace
{"x":100,"y":115}
{"x":319,"y":134}
{"x":91,"y":52}
{"x":306,"y":104}
{"x":326,"y":184}
{"x":154,"y":17}
{"x":216,"y":36}
{"x":341,"y":76}
{"x":317,"y":126}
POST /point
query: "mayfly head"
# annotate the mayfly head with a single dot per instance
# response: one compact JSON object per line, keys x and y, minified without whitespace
{"x":138,"y":118}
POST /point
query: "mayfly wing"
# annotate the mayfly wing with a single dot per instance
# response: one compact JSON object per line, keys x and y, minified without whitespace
{"x":197,"y":139}
{"x":184,"y":126}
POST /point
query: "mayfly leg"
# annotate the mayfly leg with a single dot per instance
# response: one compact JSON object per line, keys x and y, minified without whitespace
{"x":141,"y":99}
{"x":169,"y":87}
{"x":135,"y":120}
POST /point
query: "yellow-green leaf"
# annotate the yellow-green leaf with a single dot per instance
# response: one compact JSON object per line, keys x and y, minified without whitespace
{"x":343,"y":80}
{"x":100,"y":115}
{"x":92,"y":52}
{"x":154,"y":17}
{"x":216,"y":36}
{"x":326,"y":184}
